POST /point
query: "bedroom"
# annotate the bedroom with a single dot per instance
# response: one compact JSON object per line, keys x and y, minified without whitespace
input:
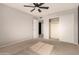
{"x":55,"y":27}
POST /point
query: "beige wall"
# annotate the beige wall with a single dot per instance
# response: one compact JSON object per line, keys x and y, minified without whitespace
{"x":14,"y":24}
{"x":67,"y":28}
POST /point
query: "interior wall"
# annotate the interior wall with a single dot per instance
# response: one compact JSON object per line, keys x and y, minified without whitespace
{"x":68,"y":23}
{"x":14,"y":24}
{"x":67,"y":28}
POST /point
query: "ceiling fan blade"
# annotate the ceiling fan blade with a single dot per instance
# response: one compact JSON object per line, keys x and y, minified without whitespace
{"x":36,"y":4}
{"x":28,"y":6}
{"x":41,"y":4}
{"x":44,"y":7}
{"x":39,"y":10}
{"x":32,"y":10}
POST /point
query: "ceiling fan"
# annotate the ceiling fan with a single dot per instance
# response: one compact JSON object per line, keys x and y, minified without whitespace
{"x":38,"y":5}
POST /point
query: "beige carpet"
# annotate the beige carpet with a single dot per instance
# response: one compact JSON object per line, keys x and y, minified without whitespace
{"x":42,"y":48}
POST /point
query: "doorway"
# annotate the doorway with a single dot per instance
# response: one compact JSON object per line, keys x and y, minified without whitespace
{"x":54,"y":28}
{"x":40,"y":29}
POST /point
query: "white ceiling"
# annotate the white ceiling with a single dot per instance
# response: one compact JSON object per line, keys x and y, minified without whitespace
{"x":53,"y":7}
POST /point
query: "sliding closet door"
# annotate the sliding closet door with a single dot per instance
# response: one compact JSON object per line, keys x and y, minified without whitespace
{"x":54,"y":28}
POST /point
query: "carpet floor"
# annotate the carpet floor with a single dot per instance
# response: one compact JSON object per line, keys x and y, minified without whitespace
{"x":56,"y":48}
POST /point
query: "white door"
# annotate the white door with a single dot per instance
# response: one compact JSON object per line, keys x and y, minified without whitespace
{"x":35,"y":29}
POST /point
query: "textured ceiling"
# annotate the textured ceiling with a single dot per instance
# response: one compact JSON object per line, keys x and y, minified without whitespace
{"x":53,"y":7}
